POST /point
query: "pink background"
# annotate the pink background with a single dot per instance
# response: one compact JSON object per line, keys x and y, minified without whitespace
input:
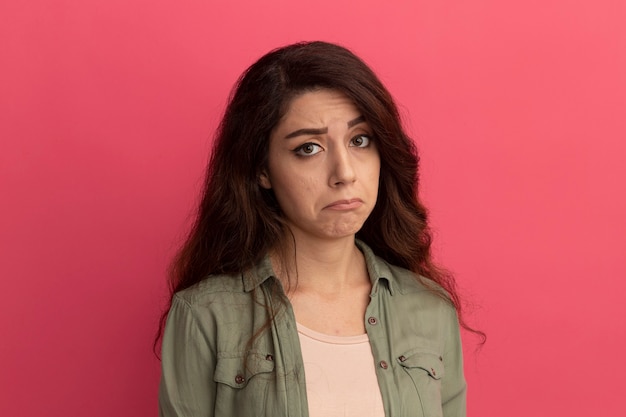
{"x":106,"y":115}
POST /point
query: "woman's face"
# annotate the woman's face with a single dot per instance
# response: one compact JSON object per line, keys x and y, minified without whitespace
{"x":323,"y":166}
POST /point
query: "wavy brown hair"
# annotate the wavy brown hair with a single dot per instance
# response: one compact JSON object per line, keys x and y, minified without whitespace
{"x":238,"y":221}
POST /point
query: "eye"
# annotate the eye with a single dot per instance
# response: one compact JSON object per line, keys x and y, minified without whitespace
{"x":308,"y":149}
{"x":360,"y":141}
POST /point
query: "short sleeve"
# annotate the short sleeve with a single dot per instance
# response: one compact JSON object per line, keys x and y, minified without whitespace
{"x":187,"y":388}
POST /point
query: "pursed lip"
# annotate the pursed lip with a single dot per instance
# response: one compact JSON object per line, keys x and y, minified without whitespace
{"x":347,"y":204}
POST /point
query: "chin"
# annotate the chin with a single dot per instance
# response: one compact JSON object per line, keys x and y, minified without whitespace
{"x":343,"y":230}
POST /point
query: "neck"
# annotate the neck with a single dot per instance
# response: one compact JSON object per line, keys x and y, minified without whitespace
{"x":326,"y":266}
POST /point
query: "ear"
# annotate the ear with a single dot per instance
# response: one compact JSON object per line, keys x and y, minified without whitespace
{"x":264,"y":180}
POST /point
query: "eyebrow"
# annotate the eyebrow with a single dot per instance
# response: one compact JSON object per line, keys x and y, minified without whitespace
{"x":320,"y":131}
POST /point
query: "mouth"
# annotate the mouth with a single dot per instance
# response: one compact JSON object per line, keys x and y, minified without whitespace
{"x":340,"y":205}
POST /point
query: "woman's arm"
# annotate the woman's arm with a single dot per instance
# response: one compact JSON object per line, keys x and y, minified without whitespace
{"x":453,"y":388}
{"x":187,"y":388}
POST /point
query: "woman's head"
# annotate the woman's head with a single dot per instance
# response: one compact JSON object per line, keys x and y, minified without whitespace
{"x":259,"y":101}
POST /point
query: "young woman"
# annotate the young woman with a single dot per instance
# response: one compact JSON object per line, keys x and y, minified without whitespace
{"x":306,"y":286}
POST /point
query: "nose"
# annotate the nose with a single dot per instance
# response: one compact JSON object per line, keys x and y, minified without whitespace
{"x":342,"y":170}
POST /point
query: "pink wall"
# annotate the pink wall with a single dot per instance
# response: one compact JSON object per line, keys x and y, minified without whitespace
{"x":106,"y":114}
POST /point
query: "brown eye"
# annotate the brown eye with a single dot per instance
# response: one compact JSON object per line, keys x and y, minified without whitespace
{"x":308,"y":149}
{"x":360,"y":141}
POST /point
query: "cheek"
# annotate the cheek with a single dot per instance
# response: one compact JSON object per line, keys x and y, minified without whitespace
{"x":372,"y":172}
{"x":296,"y":194}
{"x":290,"y":188}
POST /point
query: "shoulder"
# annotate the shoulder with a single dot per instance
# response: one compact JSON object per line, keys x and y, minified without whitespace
{"x":408,"y":281}
{"x":418,"y":288}
{"x":230,"y":286}
{"x":212,"y":288}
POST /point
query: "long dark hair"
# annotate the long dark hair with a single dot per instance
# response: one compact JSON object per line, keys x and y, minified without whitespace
{"x":238,"y":221}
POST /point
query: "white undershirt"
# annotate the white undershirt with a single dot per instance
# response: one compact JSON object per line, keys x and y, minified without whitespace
{"x":340,"y":375}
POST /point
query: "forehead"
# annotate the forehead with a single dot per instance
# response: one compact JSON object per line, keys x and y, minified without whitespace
{"x":319,"y":107}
